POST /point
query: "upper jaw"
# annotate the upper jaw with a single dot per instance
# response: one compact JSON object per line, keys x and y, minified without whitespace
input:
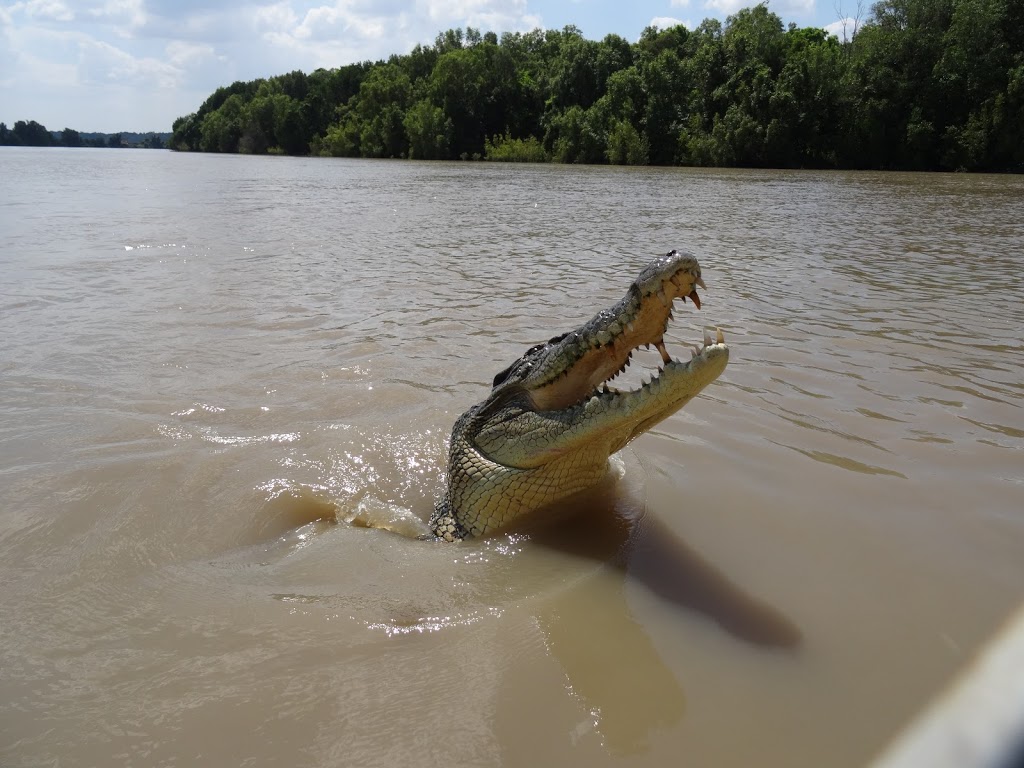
{"x":577,"y":365}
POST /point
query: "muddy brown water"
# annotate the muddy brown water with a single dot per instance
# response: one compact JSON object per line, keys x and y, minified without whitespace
{"x":215,"y":370}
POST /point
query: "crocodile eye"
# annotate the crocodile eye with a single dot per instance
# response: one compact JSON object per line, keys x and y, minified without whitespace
{"x":503,"y":375}
{"x":535,"y":348}
{"x":521,"y":362}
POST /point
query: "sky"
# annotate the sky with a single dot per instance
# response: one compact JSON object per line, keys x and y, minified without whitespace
{"x":137,"y":65}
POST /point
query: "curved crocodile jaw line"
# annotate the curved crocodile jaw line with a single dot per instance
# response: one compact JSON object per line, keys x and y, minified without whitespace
{"x":590,"y":362}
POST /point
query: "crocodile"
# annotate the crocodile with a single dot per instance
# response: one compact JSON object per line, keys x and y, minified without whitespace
{"x":551,"y":421}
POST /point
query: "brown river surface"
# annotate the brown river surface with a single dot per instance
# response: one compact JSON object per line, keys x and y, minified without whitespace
{"x":216,"y":370}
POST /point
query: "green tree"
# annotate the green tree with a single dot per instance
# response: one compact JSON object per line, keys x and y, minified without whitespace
{"x":972,"y":74}
{"x":429,"y":131}
{"x":574,"y":74}
{"x":340,"y":140}
{"x":893,"y":117}
{"x":328,"y":90}
{"x":32,"y":134}
{"x":509,"y":150}
{"x":70,"y":138}
{"x":461,"y":87}
{"x":380,"y":106}
{"x":665,"y":108}
{"x":753,"y":44}
{"x":186,"y":134}
{"x":923,"y":84}
{"x":625,"y":145}
{"x":805,"y":106}
{"x":221,"y":129}
{"x":577,"y":136}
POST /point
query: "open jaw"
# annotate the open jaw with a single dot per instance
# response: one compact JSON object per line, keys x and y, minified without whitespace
{"x":582,"y":364}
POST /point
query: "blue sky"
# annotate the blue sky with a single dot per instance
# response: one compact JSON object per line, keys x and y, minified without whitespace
{"x":136,"y":65}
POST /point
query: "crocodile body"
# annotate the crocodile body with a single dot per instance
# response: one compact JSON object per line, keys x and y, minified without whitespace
{"x":551,"y":422}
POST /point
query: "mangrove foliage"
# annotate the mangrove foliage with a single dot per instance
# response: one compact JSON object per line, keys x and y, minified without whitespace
{"x":923,"y":84}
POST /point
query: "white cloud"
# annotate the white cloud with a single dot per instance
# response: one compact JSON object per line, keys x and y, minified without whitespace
{"x":330,"y":35}
{"x":130,"y":12}
{"x":355,"y":30}
{"x":332,"y":22}
{"x":726,"y":7}
{"x":100,"y":62}
{"x":798,"y":7}
{"x":184,"y":55}
{"x":784,"y":8}
{"x":485,"y":14}
{"x":440,"y":10}
{"x":667,"y":22}
{"x":277,"y":17}
{"x":46,"y":72}
{"x":56,"y":10}
{"x":844,"y":29}
{"x":680,"y":3}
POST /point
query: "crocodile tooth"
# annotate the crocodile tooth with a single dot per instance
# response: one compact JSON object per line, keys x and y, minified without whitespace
{"x":719,"y":336}
{"x":660,"y":344}
{"x":629,"y":326}
{"x":707,"y":337}
{"x":700,"y":282}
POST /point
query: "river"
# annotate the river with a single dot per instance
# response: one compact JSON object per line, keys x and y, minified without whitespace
{"x":215,"y":369}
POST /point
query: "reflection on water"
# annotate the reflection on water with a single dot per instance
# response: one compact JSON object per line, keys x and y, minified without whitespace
{"x":222,"y":378}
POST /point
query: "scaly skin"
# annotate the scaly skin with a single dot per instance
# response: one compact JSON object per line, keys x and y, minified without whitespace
{"x":550,"y":423}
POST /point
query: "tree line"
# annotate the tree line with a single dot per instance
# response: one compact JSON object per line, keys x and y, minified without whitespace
{"x":923,"y":84}
{"x":33,"y":134}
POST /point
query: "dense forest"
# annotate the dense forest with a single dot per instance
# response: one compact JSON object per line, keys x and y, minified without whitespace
{"x":922,"y":84}
{"x":33,"y":134}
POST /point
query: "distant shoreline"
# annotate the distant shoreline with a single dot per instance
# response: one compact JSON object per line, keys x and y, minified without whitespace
{"x":33,"y":134}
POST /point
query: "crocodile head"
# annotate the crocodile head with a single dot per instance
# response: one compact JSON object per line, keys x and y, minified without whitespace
{"x":552,"y":419}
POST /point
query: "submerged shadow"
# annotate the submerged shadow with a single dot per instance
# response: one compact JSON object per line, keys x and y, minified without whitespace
{"x":645,"y":549}
{"x":612,"y":664}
